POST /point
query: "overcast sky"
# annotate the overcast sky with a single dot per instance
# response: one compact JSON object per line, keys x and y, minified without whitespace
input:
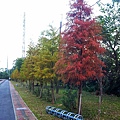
{"x":39,"y":14}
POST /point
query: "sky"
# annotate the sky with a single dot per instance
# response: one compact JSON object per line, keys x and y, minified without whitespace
{"x":38,"y":15}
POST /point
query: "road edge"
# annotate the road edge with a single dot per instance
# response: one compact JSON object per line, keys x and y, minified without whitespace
{"x":12,"y":101}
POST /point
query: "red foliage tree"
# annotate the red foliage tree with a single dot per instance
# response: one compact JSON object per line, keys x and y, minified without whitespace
{"x":80,"y":47}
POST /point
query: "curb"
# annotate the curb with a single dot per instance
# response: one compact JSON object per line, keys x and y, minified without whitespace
{"x":12,"y":101}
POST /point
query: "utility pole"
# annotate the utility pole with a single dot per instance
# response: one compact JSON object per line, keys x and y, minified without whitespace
{"x":7,"y":64}
{"x":23,"y":45}
{"x":61,"y":23}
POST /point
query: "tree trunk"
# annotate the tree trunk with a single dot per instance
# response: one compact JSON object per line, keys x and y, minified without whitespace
{"x":52,"y":91}
{"x":57,"y":89}
{"x":115,"y":56}
{"x":41,"y":89}
{"x":101,"y":91}
{"x":30,"y":85}
{"x":27,"y":84}
{"x":79,"y":98}
{"x":33,"y":86}
{"x":57,"y":86}
{"x":100,"y":98}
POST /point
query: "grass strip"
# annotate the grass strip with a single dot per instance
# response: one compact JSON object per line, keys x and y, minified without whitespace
{"x":110,"y":108}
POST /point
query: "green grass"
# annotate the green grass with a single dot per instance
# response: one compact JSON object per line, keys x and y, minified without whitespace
{"x":110,"y":108}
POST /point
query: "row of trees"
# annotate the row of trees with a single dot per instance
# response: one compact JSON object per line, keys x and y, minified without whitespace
{"x":40,"y":61}
{"x":76,"y":55}
{"x":4,"y":75}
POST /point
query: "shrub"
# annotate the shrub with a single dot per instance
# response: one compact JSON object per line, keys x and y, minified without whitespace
{"x":69,"y":99}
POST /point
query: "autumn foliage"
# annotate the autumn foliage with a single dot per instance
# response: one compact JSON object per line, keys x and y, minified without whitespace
{"x":80,"y":46}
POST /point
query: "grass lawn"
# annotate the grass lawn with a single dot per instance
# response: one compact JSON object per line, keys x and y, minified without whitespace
{"x":110,"y":108}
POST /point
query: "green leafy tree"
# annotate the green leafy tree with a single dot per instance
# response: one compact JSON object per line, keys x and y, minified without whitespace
{"x":48,"y":51}
{"x":15,"y":71}
{"x":24,"y":71}
{"x":110,"y":21}
{"x":4,"y":75}
{"x":38,"y":74}
{"x":15,"y":75}
{"x":30,"y":64}
{"x":18,"y":63}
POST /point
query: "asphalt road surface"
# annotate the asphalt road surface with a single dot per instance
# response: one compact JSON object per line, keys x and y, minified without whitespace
{"x":6,"y":107}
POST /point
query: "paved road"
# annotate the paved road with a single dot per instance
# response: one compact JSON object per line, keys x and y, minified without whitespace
{"x":6,"y":107}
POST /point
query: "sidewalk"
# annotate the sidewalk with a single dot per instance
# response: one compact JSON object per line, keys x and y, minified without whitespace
{"x":21,"y":110}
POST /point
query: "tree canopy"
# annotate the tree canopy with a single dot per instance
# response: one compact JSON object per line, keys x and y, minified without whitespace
{"x":80,"y":46}
{"x":110,"y":22}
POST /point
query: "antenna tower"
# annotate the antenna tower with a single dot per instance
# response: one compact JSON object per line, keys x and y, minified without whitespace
{"x":23,"y":46}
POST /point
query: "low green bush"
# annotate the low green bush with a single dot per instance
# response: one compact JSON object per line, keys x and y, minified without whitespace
{"x":69,"y":99}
